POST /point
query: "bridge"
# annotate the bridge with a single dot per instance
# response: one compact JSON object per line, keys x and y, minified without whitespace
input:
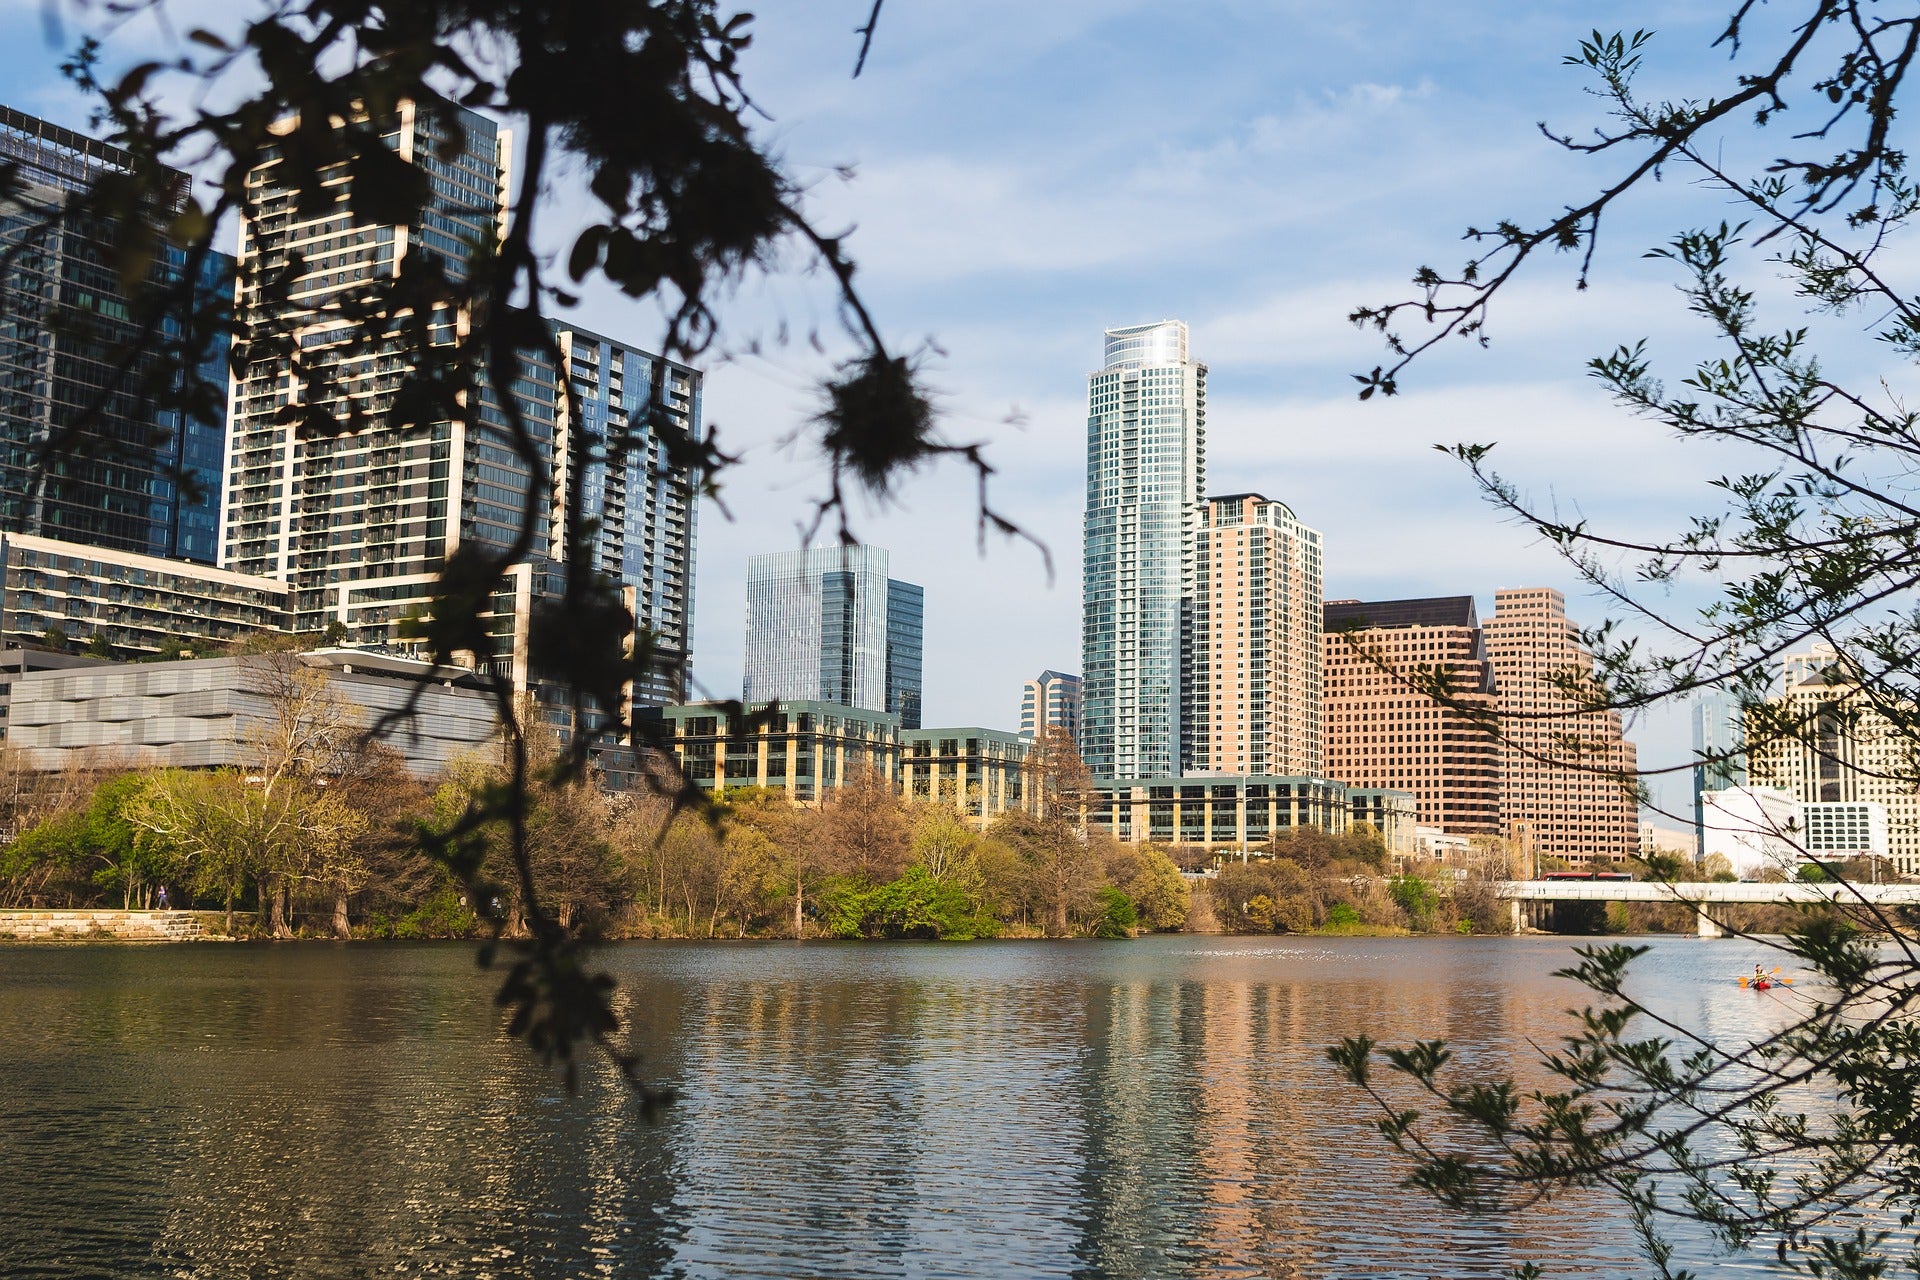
{"x":1701,"y":895}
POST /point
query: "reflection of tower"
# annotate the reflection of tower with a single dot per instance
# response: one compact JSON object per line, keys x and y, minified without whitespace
{"x":1146,"y":472}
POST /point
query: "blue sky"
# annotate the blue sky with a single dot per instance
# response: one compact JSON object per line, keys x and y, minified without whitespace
{"x":1027,"y":174}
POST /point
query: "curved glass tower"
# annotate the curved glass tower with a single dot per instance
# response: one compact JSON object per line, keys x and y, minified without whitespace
{"x":1146,"y":471}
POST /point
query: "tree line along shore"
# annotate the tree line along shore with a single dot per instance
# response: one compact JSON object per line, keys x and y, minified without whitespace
{"x":292,"y":855}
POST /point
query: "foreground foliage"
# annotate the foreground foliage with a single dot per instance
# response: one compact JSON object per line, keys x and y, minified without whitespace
{"x":1807,"y":1140}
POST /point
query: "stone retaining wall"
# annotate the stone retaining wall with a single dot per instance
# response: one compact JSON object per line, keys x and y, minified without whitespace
{"x":122,"y":926}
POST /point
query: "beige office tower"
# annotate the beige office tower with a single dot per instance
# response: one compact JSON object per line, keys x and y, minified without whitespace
{"x":1841,"y":751}
{"x":1384,"y":730}
{"x":1566,"y":776}
{"x":1255,"y":697}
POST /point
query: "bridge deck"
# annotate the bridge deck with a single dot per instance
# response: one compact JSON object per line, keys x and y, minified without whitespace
{"x":1704,"y":892}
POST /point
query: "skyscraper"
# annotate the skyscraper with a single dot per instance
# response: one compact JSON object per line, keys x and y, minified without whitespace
{"x":826,"y":624}
{"x":645,"y":509}
{"x":134,"y":473}
{"x":359,"y":521}
{"x":1565,"y":773}
{"x":1719,"y":758}
{"x":1255,"y":696}
{"x":1382,"y":731}
{"x":1051,"y":698}
{"x":1146,"y":471}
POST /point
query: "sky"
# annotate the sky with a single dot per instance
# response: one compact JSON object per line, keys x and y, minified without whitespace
{"x":1023,"y":176}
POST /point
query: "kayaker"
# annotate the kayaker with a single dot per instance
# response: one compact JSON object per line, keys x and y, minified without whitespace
{"x":1759,"y":975}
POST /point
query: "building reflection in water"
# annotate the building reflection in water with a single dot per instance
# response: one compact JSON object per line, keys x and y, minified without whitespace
{"x":1160,"y":1107}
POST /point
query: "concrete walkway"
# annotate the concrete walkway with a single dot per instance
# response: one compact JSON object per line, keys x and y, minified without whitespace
{"x":100,"y":924}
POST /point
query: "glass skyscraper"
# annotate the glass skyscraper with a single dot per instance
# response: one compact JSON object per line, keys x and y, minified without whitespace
{"x":1146,"y":472}
{"x":827,"y":624}
{"x":132,"y":474}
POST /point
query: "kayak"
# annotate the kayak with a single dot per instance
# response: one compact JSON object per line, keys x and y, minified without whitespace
{"x":1760,"y":985}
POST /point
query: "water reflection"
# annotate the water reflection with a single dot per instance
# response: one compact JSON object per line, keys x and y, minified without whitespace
{"x":1129,"y":1110}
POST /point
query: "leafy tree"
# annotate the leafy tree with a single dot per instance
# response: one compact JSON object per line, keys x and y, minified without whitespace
{"x":1806,"y":1138}
{"x":862,"y":828}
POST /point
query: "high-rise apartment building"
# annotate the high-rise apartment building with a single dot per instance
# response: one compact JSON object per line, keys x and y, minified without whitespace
{"x":826,"y":624}
{"x":133,"y":472}
{"x":1051,"y":698}
{"x":645,"y":509}
{"x":1146,"y":472}
{"x":1566,"y":775}
{"x":1838,"y":749}
{"x":358,"y":522}
{"x":1383,"y":730}
{"x":1254,"y":691}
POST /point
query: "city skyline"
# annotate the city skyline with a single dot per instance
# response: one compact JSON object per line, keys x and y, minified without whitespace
{"x":1245,"y":213}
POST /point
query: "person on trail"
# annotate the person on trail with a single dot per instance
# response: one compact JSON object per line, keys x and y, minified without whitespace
{"x":163,"y":897}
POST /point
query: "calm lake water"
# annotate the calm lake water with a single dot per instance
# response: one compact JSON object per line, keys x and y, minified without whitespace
{"x":1153,"y":1108}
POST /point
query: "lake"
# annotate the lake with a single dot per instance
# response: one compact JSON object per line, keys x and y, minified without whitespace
{"x":1159,"y":1107}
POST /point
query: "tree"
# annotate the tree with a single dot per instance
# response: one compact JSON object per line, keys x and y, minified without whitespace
{"x":1806,"y":1138}
{"x":642,"y":108}
{"x":1059,"y":784}
{"x":862,"y":828}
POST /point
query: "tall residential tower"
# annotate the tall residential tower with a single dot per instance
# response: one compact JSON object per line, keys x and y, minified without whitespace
{"x":358,"y":521}
{"x":1146,"y":472}
{"x":1255,"y":681}
{"x":132,"y":473}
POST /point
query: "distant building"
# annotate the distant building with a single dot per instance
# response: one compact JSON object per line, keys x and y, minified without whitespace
{"x":211,"y":712}
{"x":645,"y":506}
{"x":1719,"y":753}
{"x":1051,"y":698}
{"x":1215,"y":812}
{"x":804,"y":749}
{"x":1845,"y":829}
{"x":979,"y":772}
{"x":1841,"y":749}
{"x":136,"y":472}
{"x":1755,"y":828}
{"x":1394,"y":814}
{"x":1146,"y":474}
{"x":1567,"y":784}
{"x":1255,"y":694}
{"x":1383,"y":730}
{"x":826,"y":624}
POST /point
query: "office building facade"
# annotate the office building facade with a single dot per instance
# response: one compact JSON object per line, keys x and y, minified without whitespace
{"x":804,"y":749}
{"x":1051,"y":698}
{"x":979,"y":773}
{"x":1830,"y":745}
{"x":1382,"y":730}
{"x":1255,"y":696}
{"x":826,"y":624}
{"x":135,"y":463}
{"x":1146,"y":472}
{"x":1567,"y":787}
